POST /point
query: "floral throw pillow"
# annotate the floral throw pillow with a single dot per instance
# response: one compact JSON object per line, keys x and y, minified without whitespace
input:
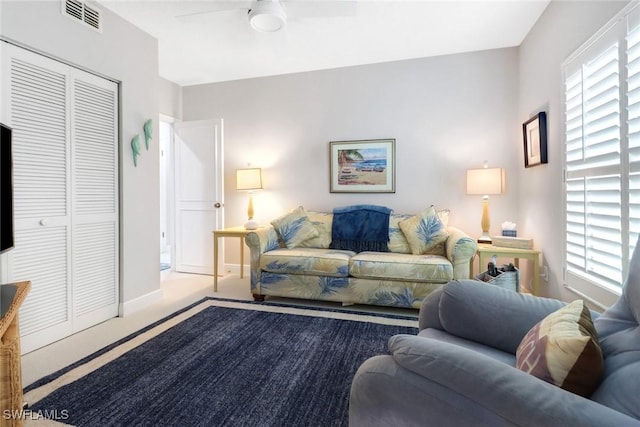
{"x":563,"y":349}
{"x":295,"y":227}
{"x":424,"y":232}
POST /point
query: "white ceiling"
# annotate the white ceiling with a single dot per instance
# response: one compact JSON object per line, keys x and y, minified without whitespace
{"x":220,"y":45}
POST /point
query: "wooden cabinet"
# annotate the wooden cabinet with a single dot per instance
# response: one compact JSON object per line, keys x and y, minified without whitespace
{"x":11,"y":298}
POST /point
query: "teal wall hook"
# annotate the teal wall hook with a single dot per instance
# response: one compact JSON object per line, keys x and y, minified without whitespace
{"x":135,"y":146}
{"x":148,"y":132}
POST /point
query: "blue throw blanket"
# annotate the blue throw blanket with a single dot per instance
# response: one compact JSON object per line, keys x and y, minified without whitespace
{"x":360,"y":228}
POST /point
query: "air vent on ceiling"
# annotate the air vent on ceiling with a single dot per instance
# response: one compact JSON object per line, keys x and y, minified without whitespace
{"x":82,"y":12}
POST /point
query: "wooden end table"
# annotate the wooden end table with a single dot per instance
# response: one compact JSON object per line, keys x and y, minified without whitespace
{"x":240,"y":232}
{"x":485,"y":252}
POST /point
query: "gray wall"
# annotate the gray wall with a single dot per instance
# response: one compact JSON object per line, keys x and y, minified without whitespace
{"x":125,"y":54}
{"x":169,"y":98}
{"x":447,"y":114}
{"x":564,"y":27}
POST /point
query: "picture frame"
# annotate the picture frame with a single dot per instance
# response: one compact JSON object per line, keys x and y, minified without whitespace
{"x":362,"y":166}
{"x":534,"y":133}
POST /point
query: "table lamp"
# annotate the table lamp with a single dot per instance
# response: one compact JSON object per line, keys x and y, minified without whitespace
{"x":484,"y":182}
{"x":249,"y":179}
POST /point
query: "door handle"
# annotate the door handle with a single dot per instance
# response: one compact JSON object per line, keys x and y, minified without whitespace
{"x":217,"y":205}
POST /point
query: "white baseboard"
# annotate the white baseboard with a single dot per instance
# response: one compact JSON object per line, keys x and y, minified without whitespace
{"x":235,"y":269}
{"x":129,"y":307}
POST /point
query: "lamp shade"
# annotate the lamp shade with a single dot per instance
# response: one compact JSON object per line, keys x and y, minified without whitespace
{"x":486,"y":181}
{"x":249,"y":179}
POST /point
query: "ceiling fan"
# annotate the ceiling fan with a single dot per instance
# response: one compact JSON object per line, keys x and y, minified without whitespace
{"x":267,"y":16}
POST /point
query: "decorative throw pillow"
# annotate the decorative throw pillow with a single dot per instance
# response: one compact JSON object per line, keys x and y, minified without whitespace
{"x":294,"y":228}
{"x":397,"y":242}
{"x":563,"y":349}
{"x":444,"y":217}
{"x":424,"y":232}
{"x":322,"y":223}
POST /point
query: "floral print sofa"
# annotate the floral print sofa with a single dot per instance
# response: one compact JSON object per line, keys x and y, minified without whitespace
{"x":293,"y":258}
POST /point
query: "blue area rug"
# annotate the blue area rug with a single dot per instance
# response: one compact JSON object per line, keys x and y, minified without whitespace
{"x":227,"y":366}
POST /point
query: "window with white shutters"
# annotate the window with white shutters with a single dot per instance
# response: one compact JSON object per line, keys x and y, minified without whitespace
{"x":602,"y":159}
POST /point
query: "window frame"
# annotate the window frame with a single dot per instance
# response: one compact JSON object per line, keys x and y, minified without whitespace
{"x":598,"y":291}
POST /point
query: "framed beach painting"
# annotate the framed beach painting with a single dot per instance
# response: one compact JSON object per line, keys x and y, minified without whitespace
{"x":365,"y":166}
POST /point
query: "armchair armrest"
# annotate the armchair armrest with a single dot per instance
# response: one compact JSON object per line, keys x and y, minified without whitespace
{"x":515,"y":397}
{"x":483,"y":313}
{"x":260,"y":241}
{"x":460,"y":248}
{"x":429,"y":315}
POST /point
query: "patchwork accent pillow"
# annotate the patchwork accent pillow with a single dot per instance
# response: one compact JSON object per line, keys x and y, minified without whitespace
{"x":563,"y":350}
{"x":425,"y":232}
{"x":294,"y":228}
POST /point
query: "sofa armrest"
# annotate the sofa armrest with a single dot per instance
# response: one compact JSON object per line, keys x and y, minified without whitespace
{"x":260,"y":241}
{"x":487,"y":384}
{"x":460,"y":248}
{"x":491,"y":315}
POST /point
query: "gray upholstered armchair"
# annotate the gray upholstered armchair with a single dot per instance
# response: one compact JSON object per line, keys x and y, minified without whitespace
{"x":460,"y":369}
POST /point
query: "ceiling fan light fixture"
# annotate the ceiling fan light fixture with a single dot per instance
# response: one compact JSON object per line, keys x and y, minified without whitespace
{"x":267,"y":16}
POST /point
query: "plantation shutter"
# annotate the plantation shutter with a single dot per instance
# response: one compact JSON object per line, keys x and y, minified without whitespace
{"x":66,"y":195}
{"x":633,"y":108}
{"x":593,"y":169}
{"x":602,"y":158}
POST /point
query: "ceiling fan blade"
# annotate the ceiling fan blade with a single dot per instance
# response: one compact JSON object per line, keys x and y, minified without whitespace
{"x":300,"y":9}
{"x":209,"y":7}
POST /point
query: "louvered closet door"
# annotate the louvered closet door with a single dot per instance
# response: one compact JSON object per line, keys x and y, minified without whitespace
{"x":95,"y":199}
{"x":65,"y":189}
{"x":38,"y":114}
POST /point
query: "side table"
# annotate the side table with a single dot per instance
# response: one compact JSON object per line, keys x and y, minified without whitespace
{"x":11,"y":297}
{"x":240,"y":232}
{"x":485,"y":252}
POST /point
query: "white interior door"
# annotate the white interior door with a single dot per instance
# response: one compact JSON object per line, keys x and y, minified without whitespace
{"x":198,"y":185}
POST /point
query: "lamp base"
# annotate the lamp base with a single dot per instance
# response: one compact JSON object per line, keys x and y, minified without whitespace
{"x":251,"y":225}
{"x":485,"y":238}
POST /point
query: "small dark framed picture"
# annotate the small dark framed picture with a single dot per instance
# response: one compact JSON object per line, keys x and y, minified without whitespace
{"x":534,"y":132}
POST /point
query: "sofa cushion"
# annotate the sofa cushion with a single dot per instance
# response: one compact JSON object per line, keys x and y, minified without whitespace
{"x":563,"y":349}
{"x":425,"y":232}
{"x":294,"y":228}
{"x":408,"y":267}
{"x":309,"y":261}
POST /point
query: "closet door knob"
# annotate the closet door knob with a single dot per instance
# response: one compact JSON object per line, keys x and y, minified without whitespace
{"x":44,"y":222}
